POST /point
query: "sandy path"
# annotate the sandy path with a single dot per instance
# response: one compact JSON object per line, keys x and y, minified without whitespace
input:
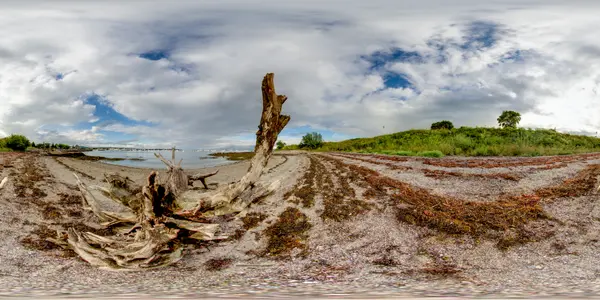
{"x":369,"y":254}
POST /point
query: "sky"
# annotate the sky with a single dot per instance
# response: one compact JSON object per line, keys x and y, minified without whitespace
{"x":188,"y":73}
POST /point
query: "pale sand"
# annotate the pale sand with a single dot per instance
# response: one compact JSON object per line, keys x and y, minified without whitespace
{"x":341,"y":253}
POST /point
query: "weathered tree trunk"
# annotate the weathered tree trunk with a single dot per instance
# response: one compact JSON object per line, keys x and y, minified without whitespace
{"x":155,"y":220}
{"x":271,"y":124}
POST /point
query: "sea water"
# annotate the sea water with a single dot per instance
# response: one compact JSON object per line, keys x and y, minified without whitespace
{"x":191,"y":159}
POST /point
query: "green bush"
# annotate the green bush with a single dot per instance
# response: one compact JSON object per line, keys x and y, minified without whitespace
{"x":280,"y":145}
{"x":291,"y":147}
{"x":464,"y":142}
{"x":435,"y":153}
{"x":481,"y":150}
{"x":17,"y":142}
{"x":442,"y":125}
{"x":311,"y":140}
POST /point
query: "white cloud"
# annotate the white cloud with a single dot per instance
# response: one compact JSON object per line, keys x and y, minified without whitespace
{"x":208,"y":91}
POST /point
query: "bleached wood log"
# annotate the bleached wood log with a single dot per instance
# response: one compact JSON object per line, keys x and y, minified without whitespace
{"x":3,"y":182}
{"x":91,"y":202}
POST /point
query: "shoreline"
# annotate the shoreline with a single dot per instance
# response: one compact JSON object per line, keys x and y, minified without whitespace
{"x":80,"y":156}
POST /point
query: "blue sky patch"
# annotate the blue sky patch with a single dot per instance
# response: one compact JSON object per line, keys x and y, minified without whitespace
{"x":481,"y":35}
{"x":155,"y":55}
{"x":380,"y":59}
{"x":394,"y":80}
{"x":105,"y":113}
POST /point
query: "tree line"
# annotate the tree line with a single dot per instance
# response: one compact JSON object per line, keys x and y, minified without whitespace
{"x":508,"y":119}
{"x":17,"y":142}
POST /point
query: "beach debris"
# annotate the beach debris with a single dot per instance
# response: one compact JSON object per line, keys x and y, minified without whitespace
{"x":3,"y":182}
{"x":201,"y":177}
{"x":154,"y":221}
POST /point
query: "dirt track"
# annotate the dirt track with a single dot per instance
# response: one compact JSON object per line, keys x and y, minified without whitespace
{"x":340,"y":223}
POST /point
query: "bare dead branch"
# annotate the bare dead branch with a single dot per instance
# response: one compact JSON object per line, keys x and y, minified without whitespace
{"x":164,"y":160}
{"x":202,"y":178}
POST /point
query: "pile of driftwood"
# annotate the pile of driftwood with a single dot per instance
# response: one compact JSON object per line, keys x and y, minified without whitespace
{"x":154,"y":220}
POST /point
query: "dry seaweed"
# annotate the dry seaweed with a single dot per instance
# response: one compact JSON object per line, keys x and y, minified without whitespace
{"x":289,"y":232}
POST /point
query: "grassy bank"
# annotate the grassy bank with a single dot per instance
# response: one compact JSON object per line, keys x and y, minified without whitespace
{"x":468,"y":141}
{"x":233,"y":155}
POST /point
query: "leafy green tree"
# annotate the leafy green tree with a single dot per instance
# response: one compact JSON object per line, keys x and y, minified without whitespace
{"x":442,"y":125}
{"x":17,"y":142}
{"x":509,"y":119}
{"x":312,"y":140}
{"x":280,"y":144}
{"x":33,"y":144}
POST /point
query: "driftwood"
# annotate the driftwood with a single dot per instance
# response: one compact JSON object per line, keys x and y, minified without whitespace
{"x":201,"y":177}
{"x":3,"y":182}
{"x":153,"y":221}
{"x":178,"y":176}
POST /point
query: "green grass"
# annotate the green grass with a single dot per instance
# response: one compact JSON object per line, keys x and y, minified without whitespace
{"x":5,"y":150}
{"x":469,"y":141}
{"x":233,"y":155}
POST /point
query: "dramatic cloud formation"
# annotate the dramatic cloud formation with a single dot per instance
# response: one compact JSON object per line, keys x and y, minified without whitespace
{"x":188,"y":73}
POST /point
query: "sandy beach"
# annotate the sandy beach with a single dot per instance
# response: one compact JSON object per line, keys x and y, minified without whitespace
{"x":363,"y":230}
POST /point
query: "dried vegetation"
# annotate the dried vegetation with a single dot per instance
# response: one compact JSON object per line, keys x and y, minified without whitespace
{"x":505,"y":220}
{"x":289,"y":232}
{"x":546,"y":162}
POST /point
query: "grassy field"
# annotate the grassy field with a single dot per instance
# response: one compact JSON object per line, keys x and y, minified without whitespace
{"x":5,"y":150}
{"x":469,"y":141}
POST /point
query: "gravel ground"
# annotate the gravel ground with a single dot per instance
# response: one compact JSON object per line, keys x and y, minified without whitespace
{"x":341,"y":260}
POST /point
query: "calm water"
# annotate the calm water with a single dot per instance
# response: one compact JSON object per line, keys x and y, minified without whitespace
{"x":191,"y":159}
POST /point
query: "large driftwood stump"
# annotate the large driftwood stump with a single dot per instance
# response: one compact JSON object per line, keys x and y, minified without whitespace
{"x":155,"y":219}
